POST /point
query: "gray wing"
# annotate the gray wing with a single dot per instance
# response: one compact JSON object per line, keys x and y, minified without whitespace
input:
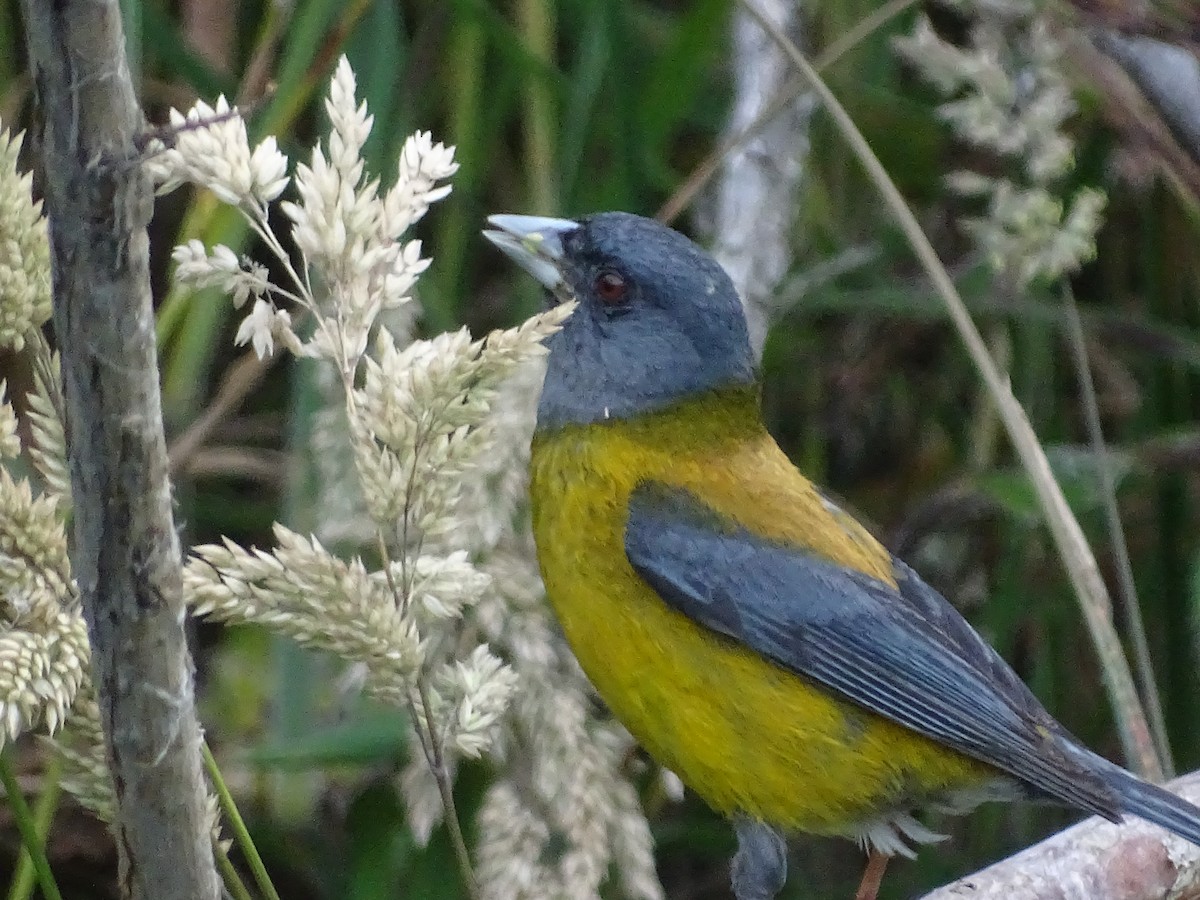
{"x":902,"y":652}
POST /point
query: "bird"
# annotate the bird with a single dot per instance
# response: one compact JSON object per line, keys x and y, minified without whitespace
{"x":752,"y":635}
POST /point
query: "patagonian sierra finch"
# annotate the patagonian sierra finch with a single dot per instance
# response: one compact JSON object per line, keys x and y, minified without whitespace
{"x":751,"y":635}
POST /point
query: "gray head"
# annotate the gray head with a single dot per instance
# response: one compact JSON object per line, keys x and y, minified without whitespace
{"x":658,"y":320}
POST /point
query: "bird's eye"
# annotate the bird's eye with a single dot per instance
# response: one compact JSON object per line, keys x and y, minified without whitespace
{"x":610,"y":287}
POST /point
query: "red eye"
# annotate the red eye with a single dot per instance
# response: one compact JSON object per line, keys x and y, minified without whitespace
{"x":610,"y":287}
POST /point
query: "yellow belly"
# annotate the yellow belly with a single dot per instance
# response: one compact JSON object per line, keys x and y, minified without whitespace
{"x":746,"y":735}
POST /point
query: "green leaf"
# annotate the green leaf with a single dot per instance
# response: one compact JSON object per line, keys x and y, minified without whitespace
{"x":678,"y":74}
{"x":378,"y":51}
{"x":370,"y":739}
{"x":1074,"y":467}
{"x":379,"y":845}
{"x":592,"y":57}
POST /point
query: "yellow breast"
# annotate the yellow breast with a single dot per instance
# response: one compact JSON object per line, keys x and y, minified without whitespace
{"x":746,"y":735}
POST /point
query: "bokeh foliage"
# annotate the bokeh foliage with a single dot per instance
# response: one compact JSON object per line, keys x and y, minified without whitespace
{"x":570,"y":106}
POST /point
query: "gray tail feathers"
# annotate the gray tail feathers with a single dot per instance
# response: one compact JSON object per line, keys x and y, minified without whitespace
{"x":1149,"y":801}
{"x":1157,"y":805}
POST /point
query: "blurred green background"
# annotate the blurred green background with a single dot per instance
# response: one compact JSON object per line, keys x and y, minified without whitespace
{"x":575,"y":105}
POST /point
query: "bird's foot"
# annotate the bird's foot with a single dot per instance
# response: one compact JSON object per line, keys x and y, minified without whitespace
{"x":868,"y":888}
{"x":759,"y":867}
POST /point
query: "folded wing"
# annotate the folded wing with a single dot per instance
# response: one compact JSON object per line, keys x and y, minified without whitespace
{"x":900,"y":651}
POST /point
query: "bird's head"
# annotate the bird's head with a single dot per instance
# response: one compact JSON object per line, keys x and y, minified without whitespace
{"x":658,"y":319}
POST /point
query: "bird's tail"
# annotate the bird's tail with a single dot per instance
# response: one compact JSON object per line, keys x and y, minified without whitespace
{"x":1148,"y":801}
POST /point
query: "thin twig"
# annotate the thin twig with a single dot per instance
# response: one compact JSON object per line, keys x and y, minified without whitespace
{"x":236,"y":385}
{"x":256,"y":79}
{"x":1077,"y":556}
{"x":248,"y":372}
{"x":1134,"y":623}
{"x":703,"y":173}
{"x":267,"y":467}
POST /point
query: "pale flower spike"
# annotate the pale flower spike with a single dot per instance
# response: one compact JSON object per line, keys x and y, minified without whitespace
{"x":1008,"y":94}
{"x":44,"y":654}
{"x":439,"y":433}
{"x":24,"y":251}
{"x":436,"y":433}
{"x":342,"y":228}
{"x":80,"y":748}
{"x":10,"y":442}
{"x":210,"y":148}
{"x":48,"y":441}
{"x":220,"y":269}
{"x":260,"y":329}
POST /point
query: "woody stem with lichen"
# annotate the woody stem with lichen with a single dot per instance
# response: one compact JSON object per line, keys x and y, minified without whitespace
{"x":127,"y":559}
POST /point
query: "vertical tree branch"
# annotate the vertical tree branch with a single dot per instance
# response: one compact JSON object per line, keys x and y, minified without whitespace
{"x":126,"y":554}
{"x":756,"y":193}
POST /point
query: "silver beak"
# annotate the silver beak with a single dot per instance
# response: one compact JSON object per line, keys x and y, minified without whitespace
{"x":535,"y":244}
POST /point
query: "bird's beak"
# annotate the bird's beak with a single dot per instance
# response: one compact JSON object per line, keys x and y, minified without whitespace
{"x":535,"y":244}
